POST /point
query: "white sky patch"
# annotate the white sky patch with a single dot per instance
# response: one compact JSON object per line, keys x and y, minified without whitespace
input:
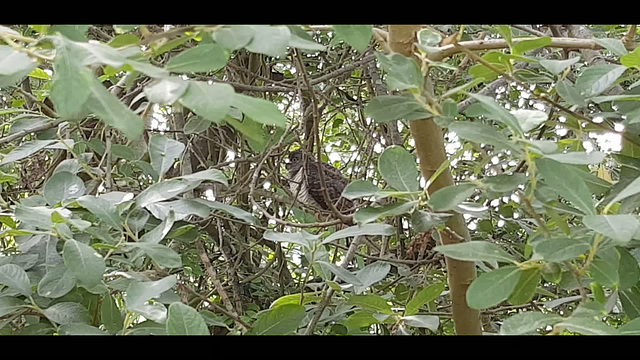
{"x":609,"y":142}
{"x":208,"y":194}
{"x":598,"y":119}
{"x":334,"y":156}
{"x":231,"y":155}
{"x":501,"y":223}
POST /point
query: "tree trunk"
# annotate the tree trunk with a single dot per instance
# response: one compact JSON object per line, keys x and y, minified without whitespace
{"x":430,"y":150}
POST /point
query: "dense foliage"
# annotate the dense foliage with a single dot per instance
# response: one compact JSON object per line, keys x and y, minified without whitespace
{"x":144,"y":187}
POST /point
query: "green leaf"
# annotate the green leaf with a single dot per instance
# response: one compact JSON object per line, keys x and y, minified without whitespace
{"x":632,"y":59}
{"x":526,"y":287}
{"x":16,"y":278}
{"x":358,"y":36}
{"x":57,"y":282}
{"x":281,"y":320}
{"x":24,"y":150}
{"x":185,"y":320}
{"x":578,"y":157}
{"x":361,"y":188}
{"x":422,"y":221}
{"x":62,"y":186}
{"x":527,"y":323}
{"x":427,"y":37}
{"x":475,"y":251}
{"x":504,"y":183}
{"x":498,"y":113}
{"x":371,"y":302}
{"x":402,"y":72}
{"x":598,"y":78}
{"x":304,"y":42}
{"x":505,"y":31}
{"x":69,"y":88}
{"x":302,"y":238}
{"x":234,"y":37}
{"x":231,"y":210}
{"x":492,"y":288}
{"x":214,"y":175}
{"x":110,"y":315}
{"x":587,"y":326}
{"x":398,"y":168}
{"x":557,"y":66}
{"x":371,"y":274}
{"x":159,"y":232}
{"x":632,"y":189}
{"x":67,"y":313}
{"x":482,"y":134}
{"x":166,"y":91}
{"x":341,"y":273}
{"x":72,"y":32}
{"x":601,"y":99}
{"x":253,"y":131}
{"x":372,"y":213}
{"x":620,"y":228}
{"x":630,"y":328}
{"x":566,"y":183}
{"x":10,"y":304}
{"x":260,"y":110}
{"x":14,"y":62}
{"x":196,"y":125}
{"x":124,"y":40}
{"x":615,"y":46}
{"x":212,"y":319}
{"x":209,"y":101}
{"x":111,"y":110}
{"x":424,"y":296}
{"x":79,"y":329}
{"x":530,"y":119}
{"x":449,"y":197}
{"x":101,"y":208}
{"x":39,"y":216}
{"x":269,"y":40}
{"x":138,"y":292}
{"x":366,"y":229}
{"x":389,"y":108}
{"x":163,"y":152}
{"x":523,"y":46}
{"x":560,"y":249}
{"x":430,"y":322}
{"x":84,"y":262}
{"x":202,"y":58}
{"x":628,"y":270}
{"x":630,"y":300}
{"x":162,"y":255}
{"x":294,"y":299}
{"x":604,"y":272}
{"x":164,"y":190}
{"x":570,"y":93}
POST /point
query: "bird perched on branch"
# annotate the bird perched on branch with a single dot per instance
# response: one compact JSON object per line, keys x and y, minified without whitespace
{"x":305,"y":181}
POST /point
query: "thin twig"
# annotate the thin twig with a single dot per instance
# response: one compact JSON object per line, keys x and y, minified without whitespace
{"x":204,"y":257}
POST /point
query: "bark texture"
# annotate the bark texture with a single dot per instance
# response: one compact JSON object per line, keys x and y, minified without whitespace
{"x":430,"y":150}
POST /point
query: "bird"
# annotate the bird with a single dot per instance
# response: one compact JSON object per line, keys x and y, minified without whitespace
{"x":305,"y":181}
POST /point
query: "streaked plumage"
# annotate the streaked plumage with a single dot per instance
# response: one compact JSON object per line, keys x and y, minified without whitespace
{"x":310,"y":186}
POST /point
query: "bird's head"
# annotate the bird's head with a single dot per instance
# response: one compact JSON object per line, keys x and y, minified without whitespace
{"x":295,"y":160}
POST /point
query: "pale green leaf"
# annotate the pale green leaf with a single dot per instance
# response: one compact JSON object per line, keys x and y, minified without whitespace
{"x":491,"y":288}
{"x":83,"y":262}
{"x":185,"y":320}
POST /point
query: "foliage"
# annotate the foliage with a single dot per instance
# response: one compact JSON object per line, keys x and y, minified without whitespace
{"x":144,"y":189}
